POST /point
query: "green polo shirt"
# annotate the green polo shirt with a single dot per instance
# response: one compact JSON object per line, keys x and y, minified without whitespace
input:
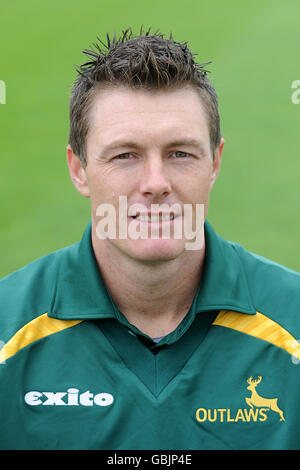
{"x":75,"y":374}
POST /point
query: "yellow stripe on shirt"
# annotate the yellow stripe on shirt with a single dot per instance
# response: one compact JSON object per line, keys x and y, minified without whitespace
{"x":261,"y":327}
{"x":36,"y":329}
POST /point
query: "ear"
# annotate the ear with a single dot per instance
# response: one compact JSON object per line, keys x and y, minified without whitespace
{"x":77,"y":173}
{"x":216,"y":163}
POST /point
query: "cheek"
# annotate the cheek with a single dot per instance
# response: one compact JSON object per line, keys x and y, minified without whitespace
{"x":106,"y":187}
{"x":197,"y":187}
{"x":101,"y":181}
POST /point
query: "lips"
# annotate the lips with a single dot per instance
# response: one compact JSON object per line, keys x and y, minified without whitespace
{"x":154,"y":218}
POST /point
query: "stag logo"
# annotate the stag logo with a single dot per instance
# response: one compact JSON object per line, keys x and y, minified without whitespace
{"x":258,"y":401}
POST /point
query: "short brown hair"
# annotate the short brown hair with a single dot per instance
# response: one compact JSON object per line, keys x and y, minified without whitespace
{"x":148,"y":61}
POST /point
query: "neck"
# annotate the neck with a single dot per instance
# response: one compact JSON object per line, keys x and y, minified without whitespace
{"x":154,"y":297}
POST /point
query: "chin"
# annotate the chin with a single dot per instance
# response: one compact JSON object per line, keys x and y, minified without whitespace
{"x":155,"y":250}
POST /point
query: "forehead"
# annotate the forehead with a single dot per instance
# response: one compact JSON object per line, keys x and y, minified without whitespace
{"x":144,"y":114}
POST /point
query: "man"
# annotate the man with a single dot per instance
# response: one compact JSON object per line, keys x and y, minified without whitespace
{"x":138,"y":338}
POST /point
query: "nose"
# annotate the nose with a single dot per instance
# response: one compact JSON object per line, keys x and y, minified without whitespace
{"x":155,"y":180}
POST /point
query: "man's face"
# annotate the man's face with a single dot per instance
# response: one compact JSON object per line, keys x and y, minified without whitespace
{"x":152,"y":147}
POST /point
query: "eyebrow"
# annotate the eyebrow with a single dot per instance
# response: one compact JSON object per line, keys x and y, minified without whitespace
{"x":120,"y":144}
{"x":188,"y":143}
{"x":117,"y":145}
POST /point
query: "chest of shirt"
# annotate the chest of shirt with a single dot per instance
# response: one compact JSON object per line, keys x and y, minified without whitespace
{"x":103,"y":388}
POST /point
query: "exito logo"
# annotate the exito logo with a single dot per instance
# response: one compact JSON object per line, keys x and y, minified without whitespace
{"x":258,"y":411}
{"x":69,"y":398}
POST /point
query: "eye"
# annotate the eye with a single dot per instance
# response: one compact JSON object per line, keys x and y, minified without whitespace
{"x":123,"y":156}
{"x":179,"y":154}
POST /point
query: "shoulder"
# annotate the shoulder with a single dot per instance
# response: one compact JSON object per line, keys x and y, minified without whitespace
{"x":28,"y":292}
{"x":274,"y":289}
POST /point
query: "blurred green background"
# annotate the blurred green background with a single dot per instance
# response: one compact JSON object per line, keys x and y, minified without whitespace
{"x":254,"y":47}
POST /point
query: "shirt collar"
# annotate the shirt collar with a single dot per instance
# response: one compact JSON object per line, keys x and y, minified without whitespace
{"x":224,"y":284}
{"x":80,"y":292}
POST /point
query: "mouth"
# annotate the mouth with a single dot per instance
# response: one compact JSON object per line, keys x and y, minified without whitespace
{"x":154,"y":218}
